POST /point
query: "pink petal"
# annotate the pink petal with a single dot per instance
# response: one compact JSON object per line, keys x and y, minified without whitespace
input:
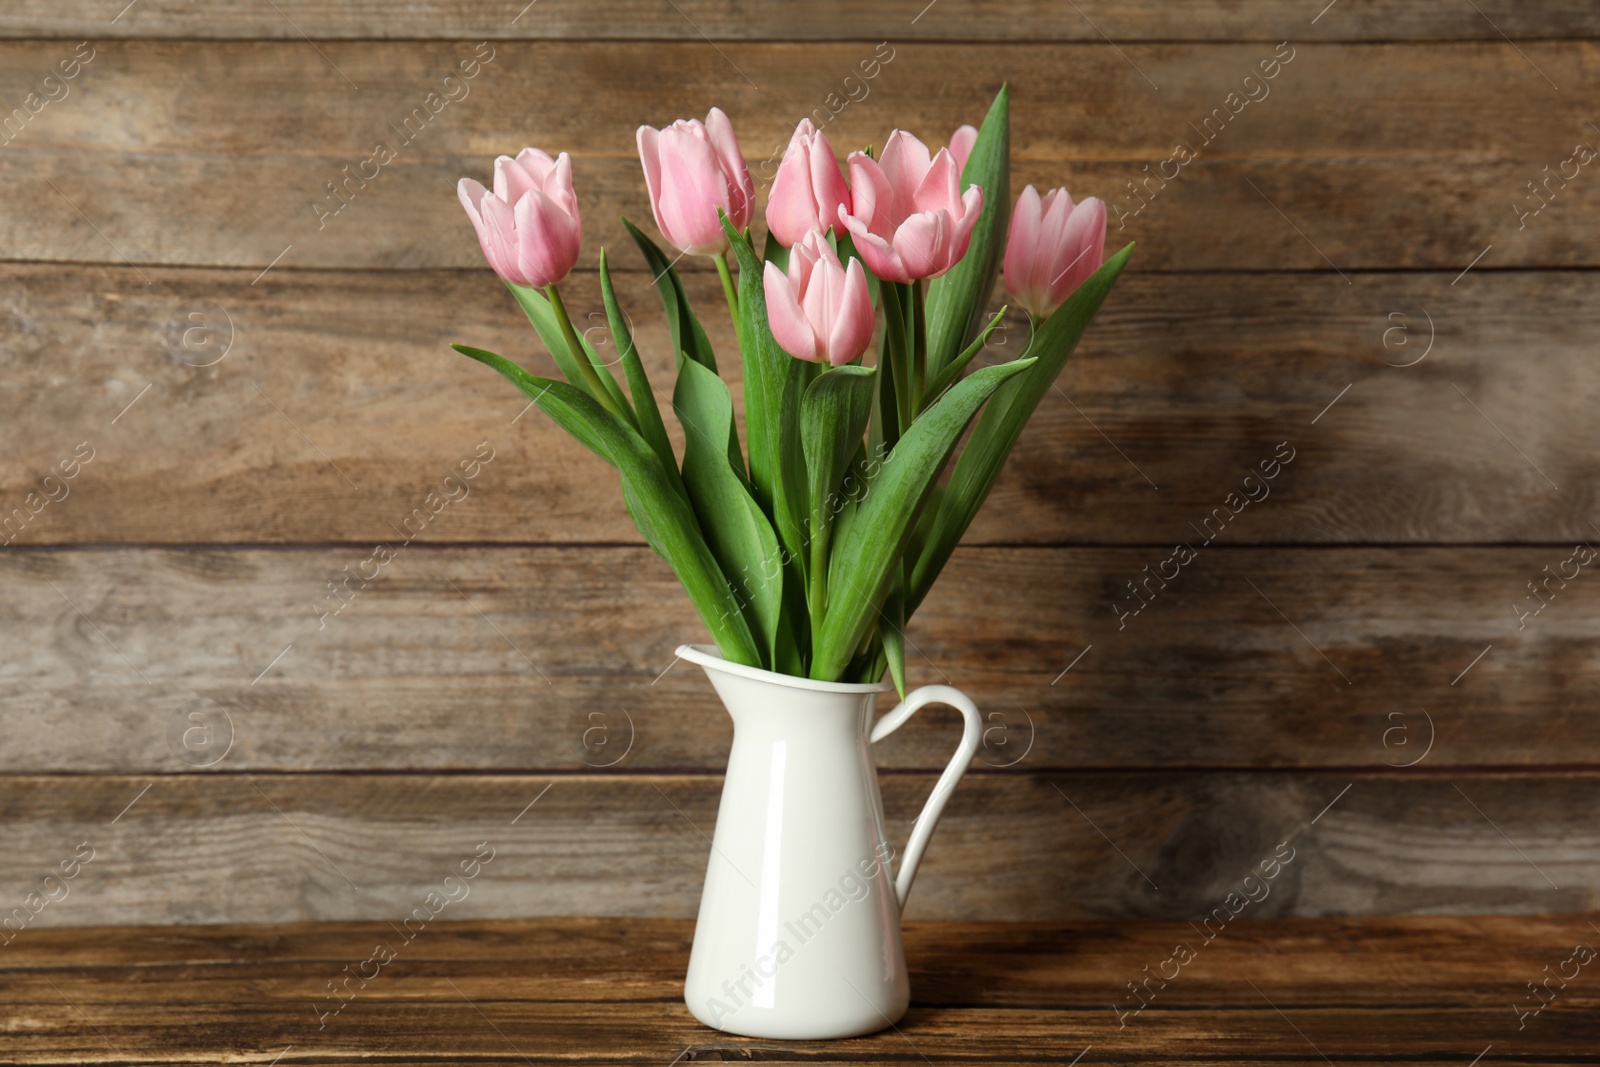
{"x":1023,"y":239}
{"x":1055,"y":207}
{"x":961,"y":143}
{"x":879,"y":256}
{"x":1022,"y":248}
{"x":827,"y":184}
{"x":692,"y":189}
{"x":1053,"y":254}
{"x":499,"y":239}
{"x":495,"y":252}
{"x":852,"y":326}
{"x":922,"y":243}
{"x":905,"y":162}
{"x":537,"y":163}
{"x":971,"y":204}
{"x":649,"y":140}
{"x":791,"y":207}
{"x":540,"y":244}
{"x":804,"y":257}
{"x":511,"y":180}
{"x":719,"y":133}
{"x":741,"y":190}
{"x":940,"y":188}
{"x":1082,"y":250}
{"x":557,"y":185}
{"x":872,"y":197}
{"x":470,"y":192}
{"x":820,"y":300}
{"x":971,"y":210}
{"x":789,"y":326}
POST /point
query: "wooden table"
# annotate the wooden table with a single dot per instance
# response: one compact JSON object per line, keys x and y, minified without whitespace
{"x":1396,"y":990}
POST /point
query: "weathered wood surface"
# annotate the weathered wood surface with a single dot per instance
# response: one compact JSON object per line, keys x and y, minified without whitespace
{"x":576,"y":990}
{"x":744,"y":20}
{"x":1439,"y":960}
{"x":1377,"y":156}
{"x":205,"y":848}
{"x":1183,"y":378}
{"x":1276,"y":277}
{"x":543,"y":659}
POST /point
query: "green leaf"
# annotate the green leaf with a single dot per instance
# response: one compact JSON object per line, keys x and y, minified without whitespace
{"x":645,"y":408}
{"x":952,"y":370}
{"x":892,"y":633}
{"x":1002,"y":422}
{"x":925,"y":524}
{"x":546,"y":319}
{"x":868,"y":555}
{"x":687,"y":333}
{"x":581,"y":430}
{"x":833,"y":417}
{"x":957,"y":301}
{"x":737,"y":530}
{"x":786,"y":657}
{"x":857,"y":477}
{"x":663,"y":516}
{"x":774,"y":386}
{"x":619,"y":405}
{"x":773,"y":252}
{"x":548,"y":327}
{"x":869,"y":661}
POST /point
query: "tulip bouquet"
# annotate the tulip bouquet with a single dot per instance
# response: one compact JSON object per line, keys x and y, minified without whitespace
{"x":806,"y":548}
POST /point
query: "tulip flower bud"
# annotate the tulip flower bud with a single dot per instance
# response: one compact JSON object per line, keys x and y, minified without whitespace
{"x":1052,"y":247}
{"x":909,"y":219}
{"x":528,"y":226}
{"x":691,"y":170}
{"x":821,"y":310}
{"x":808,"y":190}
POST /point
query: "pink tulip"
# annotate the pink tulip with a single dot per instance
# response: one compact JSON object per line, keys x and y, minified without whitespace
{"x":910,"y":219}
{"x":692,"y":169}
{"x":1053,"y":246}
{"x":821,"y":310}
{"x":961,"y":143}
{"x":528,"y":226}
{"x":808,"y":190}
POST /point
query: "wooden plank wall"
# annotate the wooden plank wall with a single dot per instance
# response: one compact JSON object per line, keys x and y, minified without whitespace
{"x":251,"y":392}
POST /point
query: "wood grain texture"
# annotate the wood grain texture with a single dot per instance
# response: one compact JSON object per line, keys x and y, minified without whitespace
{"x":281,"y":848}
{"x":742,"y":20}
{"x":543,"y":659}
{"x":1441,"y":960}
{"x":1190,"y":382}
{"x":584,"y":991}
{"x":223,"y":151}
{"x":1344,"y":669}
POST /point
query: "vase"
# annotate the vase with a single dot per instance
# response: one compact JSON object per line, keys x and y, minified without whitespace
{"x":799,"y":928}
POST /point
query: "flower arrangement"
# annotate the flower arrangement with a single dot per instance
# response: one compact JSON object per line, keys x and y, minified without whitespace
{"x":807,"y":547}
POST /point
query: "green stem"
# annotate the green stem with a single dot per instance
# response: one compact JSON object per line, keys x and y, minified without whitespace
{"x":885,"y":426}
{"x":895,"y":342}
{"x":919,"y":344}
{"x":581,"y":355}
{"x":824,"y":517}
{"x":728,"y":289}
{"x":816,"y":605}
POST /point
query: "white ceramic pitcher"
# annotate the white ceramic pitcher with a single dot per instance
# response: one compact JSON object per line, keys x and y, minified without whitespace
{"x":799,"y":929}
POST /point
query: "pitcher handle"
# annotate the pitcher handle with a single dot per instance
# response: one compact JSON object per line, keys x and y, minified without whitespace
{"x":922,"y":829}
